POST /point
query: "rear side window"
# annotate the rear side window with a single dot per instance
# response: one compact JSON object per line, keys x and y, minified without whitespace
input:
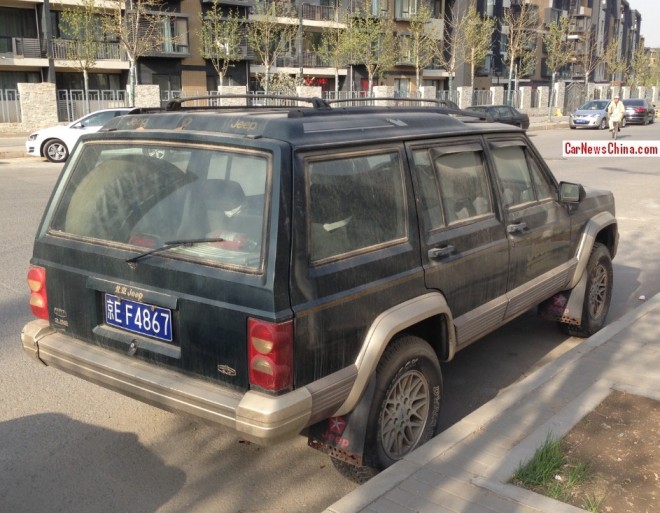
{"x":120,"y":194}
{"x":453,"y":184}
{"x":355,"y":203}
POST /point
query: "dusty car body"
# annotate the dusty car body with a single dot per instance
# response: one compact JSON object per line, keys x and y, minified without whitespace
{"x":305,"y":270}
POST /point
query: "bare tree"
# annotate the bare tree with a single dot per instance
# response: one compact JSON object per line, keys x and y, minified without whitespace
{"x":586,"y":55}
{"x":559,"y":51}
{"x":423,"y":41}
{"x":138,"y":27}
{"x":640,"y":68}
{"x":220,"y":36}
{"x":448,"y":49}
{"x":612,"y":59}
{"x":81,"y":26}
{"x":477,"y":38}
{"x":521,"y":25}
{"x":371,"y":42}
{"x":270,"y":33}
{"x":334,"y":47}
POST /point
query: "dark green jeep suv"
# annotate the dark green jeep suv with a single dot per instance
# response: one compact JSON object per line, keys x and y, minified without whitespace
{"x":306,"y":269}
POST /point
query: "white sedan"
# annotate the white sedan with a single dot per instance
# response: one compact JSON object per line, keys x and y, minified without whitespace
{"x":55,"y":143}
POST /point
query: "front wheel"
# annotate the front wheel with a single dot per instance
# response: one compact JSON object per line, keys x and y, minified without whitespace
{"x":598,"y":295}
{"x":56,"y":151}
{"x":406,"y":405}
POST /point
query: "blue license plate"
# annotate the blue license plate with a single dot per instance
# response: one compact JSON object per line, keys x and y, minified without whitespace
{"x":580,"y":121}
{"x":149,"y":320}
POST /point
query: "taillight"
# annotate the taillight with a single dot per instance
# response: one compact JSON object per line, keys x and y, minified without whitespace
{"x":38,"y":299}
{"x":270,"y":354}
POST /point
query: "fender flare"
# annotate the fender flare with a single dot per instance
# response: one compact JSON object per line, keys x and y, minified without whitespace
{"x":384,"y":328}
{"x":591,"y":230}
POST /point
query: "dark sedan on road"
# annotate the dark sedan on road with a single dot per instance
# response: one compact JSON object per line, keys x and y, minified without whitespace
{"x":639,"y":111}
{"x":504,"y":114}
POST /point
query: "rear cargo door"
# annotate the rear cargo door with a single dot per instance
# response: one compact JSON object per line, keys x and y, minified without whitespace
{"x":164,"y":259}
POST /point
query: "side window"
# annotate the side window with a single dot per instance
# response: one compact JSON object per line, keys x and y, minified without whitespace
{"x":355,"y":203}
{"x":453,"y":184}
{"x":515,"y":179}
{"x":520,"y":175}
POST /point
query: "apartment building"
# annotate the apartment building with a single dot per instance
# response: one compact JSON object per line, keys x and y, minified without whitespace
{"x":32,"y":47}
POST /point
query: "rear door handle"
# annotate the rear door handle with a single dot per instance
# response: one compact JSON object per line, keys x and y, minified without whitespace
{"x":516,"y":228}
{"x":442,"y":252}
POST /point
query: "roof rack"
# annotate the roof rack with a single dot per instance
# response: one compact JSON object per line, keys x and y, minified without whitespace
{"x":319,"y":106}
{"x":316,"y":103}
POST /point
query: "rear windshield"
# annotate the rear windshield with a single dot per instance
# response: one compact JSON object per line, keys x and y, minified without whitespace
{"x":144,"y":196}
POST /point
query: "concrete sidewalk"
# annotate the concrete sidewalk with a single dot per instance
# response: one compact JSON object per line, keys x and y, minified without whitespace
{"x":466,"y":468}
{"x":12,"y":146}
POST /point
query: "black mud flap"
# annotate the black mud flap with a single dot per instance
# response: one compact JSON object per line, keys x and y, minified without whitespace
{"x":344,"y":437}
{"x":566,"y":306}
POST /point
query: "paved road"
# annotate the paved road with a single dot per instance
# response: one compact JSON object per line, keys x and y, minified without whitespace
{"x":72,"y":447}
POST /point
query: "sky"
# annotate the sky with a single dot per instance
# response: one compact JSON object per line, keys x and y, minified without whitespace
{"x":650,"y":11}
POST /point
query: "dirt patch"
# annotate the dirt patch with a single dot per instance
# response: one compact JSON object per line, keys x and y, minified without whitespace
{"x":620,"y":440}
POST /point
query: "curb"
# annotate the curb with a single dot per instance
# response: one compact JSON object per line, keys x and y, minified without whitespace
{"x":477,"y":421}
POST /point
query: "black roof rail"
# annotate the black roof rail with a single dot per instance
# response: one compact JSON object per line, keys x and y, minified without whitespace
{"x":443,"y":106}
{"x":316,"y":103}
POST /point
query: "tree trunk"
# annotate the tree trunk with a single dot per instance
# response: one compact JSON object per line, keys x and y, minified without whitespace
{"x":130,"y":89}
{"x":552,"y":93}
{"x":508,"y":93}
{"x":86,"y":82}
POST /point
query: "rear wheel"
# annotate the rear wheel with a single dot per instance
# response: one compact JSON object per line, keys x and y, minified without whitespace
{"x":56,"y":151}
{"x":597,"y":296}
{"x":603,"y":124}
{"x":406,"y":405}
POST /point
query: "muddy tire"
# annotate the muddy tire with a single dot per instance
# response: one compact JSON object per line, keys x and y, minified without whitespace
{"x":406,"y":405}
{"x":598,"y":294}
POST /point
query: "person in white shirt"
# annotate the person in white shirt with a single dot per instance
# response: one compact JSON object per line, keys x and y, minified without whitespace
{"x":615,"y":112}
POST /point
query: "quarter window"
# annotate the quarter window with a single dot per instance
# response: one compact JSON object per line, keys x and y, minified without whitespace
{"x":355,"y":203}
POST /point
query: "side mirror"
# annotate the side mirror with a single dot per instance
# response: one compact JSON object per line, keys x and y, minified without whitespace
{"x":571,"y":192}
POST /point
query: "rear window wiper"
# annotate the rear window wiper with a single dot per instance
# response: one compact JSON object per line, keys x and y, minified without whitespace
{"x":172,"y":244}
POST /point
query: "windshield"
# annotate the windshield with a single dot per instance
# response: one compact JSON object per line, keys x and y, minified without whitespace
{"x":595,"y":105}
{"x":142,"y":196}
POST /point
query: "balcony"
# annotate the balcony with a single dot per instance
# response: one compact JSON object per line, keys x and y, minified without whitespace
{"x":63,"y":49}
{"x":321,"y":12}
{"x":20,"y":47}
{"x":309,"y":60}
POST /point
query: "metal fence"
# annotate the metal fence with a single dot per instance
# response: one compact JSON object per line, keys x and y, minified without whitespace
{"x":72,"y":103}
{"x":452,"y":96}
{"x":482,"y":97}
{"x":10,"y":106}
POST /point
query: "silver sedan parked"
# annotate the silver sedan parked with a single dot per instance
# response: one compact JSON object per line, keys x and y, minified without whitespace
{"x":592,"y":114}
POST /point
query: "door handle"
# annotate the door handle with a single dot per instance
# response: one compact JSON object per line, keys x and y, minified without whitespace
{"x":442,"y":252}
{"x":516,"y":228}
